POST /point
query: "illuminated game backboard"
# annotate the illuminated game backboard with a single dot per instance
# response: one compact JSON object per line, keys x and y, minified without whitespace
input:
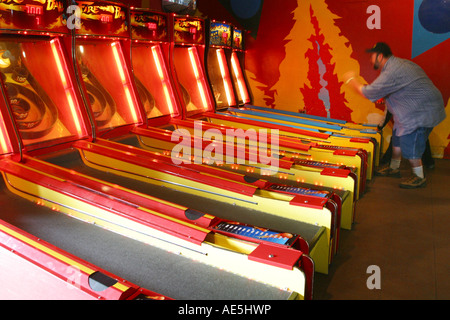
{"x":35,"y":74}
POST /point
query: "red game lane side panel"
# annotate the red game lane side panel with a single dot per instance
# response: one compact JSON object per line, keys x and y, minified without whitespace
{"x":364,"y":164}
{"x":167,"y":136}
{"x":361,"y":140}
{"x":335,"y":172}
{"x":54,"y":272}
{"x":122,"y":194}
{"x":163,"y":134}
{"x":22,"y":280}
{"x":336,"y":205}
{"x":160,"y":157}
{"x":288,"y":142}
{"x":283,"y":141}
{"x":346,"y":152}
{"x":285,"y":258}
{"x":190,"y":122}
{"x":132,"y":158}
{"x":362,"y":154}
{"x":104,"y":201}
{"x":309,"y":201}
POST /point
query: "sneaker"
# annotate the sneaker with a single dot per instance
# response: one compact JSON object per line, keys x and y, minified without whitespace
{"x":413,"y":182}
{"x":387,"y":171}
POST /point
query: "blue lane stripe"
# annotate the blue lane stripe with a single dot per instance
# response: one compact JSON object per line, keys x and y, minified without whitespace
{"x":309,"y":116}
{"x":303,"y":115}
{"x":285,"y":118}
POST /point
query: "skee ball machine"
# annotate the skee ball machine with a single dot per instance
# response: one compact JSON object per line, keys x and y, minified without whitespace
{"x":199,"y":85}
{"x":141,"y":71}
{"x":51,"y":120}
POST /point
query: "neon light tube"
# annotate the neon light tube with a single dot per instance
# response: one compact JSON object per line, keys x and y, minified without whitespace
{"x":58,"y":63}
{"x":202,"y":93}
{"x":156,"y":51}
{"x":221,"y":59}
{"x":67,"y":86}
{"x":130,"y":102}
{"x":4,"y":138}
{"x":119,"y":63}
{"x":194,"y":64}
{"x":73,"y":110}
{"x":168,"y":99}
{"x":238,"y":76}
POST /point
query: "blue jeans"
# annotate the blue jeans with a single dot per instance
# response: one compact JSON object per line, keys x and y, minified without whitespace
{"x":412,"y":144}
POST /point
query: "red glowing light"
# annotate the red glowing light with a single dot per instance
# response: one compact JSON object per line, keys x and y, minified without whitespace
{"x":35,"y":10}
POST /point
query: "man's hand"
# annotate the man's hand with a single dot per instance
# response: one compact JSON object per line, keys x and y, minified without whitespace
{"x":351,"y":78}
{"x":348,"y":76}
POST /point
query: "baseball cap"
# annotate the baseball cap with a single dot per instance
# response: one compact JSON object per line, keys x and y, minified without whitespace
{"x":381,"y":47}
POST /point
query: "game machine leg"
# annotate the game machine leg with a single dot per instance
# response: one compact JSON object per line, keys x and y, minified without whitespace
{"x":42,"y":116}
